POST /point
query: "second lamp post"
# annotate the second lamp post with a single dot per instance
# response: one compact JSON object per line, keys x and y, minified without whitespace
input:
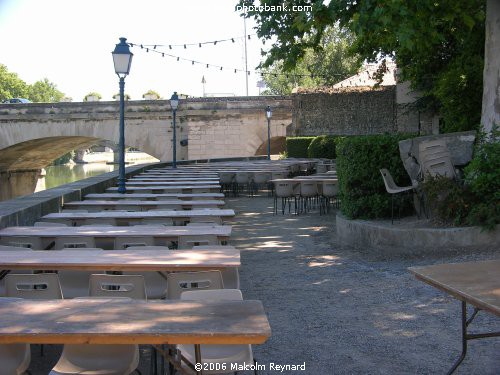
{"x":269,"y":114}
{"x":174,"y":103}
{"x":122,"y":58}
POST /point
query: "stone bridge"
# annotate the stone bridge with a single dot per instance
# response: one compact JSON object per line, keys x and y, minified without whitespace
{"x":33,"y":135}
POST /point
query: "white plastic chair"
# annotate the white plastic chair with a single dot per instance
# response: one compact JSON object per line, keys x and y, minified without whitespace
{"x":187,"y":242}
{"x":284,"y":190}
{"x":104,"y":285}
{"x":329,"y":191}
{"x":122,"y":243}
{"x":217,"y":354}
{"x":206,"y":219}
{"x":75,"y":283}
{"x":308,"y":192}
{"x":100,"y":221}
{"x":74,"y":242}
{"x":156,"y":282}
{"x":157,"y":220}
{"x":33,"y":286}
{"x":103,"y":359}
{"x":180,"y":282}
{"x":29,"y":242}
{"x":15,"y":358}
{"x":392,"y":188}
{"x":51,"y":224}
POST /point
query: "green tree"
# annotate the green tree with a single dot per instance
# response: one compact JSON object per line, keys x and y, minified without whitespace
{"x":323,"y":66}
{"x":11,"y":86}
{"x":44,"y":91}
{"x":430,"y":41}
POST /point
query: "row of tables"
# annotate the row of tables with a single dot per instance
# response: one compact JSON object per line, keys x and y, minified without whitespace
{"x":109,"y":321}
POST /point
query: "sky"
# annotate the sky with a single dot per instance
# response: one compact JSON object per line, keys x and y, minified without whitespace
{"x":70,"y":43}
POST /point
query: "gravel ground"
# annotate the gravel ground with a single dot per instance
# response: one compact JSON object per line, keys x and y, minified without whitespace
{"x":343,"y":310}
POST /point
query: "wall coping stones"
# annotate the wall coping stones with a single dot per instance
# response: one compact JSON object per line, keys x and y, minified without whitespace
{"x":409,"y":240}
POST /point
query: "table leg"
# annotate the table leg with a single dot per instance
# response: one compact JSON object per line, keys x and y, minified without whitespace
{"x":469,"y":336}
{"x":197,"y":356}
{"x":464,"y":339}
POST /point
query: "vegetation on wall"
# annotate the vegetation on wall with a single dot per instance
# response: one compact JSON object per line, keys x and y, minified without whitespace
{"x":361,"y":187}
{"x":322,"y":146}
{"x":296,"y":147}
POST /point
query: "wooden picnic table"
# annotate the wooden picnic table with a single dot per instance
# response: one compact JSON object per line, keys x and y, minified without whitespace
{"x":185,"y":188}
{"x":177,"y":183}
{"x":159,"y":233}
{"x":474,"y":283}
{"x":131,"y":217}
{"x":122,"y":321}
{"x":197,"y":180}
{"x":150,"y":196}
{"x":119,"y":260}
{"x":142,"y":205}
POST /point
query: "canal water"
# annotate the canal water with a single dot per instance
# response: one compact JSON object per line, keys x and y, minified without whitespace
{"x":63,"y":174}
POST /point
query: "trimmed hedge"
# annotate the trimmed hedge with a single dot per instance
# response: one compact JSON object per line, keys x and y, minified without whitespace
{"x":322,"y":146}
{"x":296,"y":147}
{"x":362,"y":189}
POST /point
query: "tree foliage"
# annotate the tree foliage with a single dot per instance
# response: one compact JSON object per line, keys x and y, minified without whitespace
{"x":431,"y":41}
{"x":44,"y":91}
{"x":11,"y":86}
{"x":323,"y":66}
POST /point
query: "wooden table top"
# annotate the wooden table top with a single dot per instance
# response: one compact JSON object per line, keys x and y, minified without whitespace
{"x":140,"y":214}
{"x":214,"y":188}
{"x":173,"y":202}
{"x":114,"y":231}
{"x":187,"y":179}
{"x":119,"y":260}
{"x":118,"y":321}
{"x":178,"y":183}
{"x":141,"y":196}
{"x":477,"y":283}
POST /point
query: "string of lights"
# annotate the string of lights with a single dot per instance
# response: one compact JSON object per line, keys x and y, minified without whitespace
{"x":154,"y":49}
{"x":198,"y":44}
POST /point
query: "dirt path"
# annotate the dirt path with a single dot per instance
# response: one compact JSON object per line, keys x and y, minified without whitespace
{"x":349,"y":311}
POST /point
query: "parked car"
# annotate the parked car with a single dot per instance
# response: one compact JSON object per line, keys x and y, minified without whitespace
{"x":17,"y":100}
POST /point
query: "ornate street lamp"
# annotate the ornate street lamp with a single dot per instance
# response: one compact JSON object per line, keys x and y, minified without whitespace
{"x":174,"y":103}
{"x":269,"y":114}
{"x":122,"y":58}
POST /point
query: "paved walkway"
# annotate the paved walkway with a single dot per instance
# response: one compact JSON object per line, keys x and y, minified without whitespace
{"x":342,"y":310}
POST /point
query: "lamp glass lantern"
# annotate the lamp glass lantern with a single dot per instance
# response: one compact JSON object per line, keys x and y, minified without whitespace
{"x":122,"y":58}
{"x":269,"y":112}
{"x":174,"y":101}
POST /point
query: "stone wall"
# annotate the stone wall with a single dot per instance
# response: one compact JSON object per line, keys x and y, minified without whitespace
{"x":345,"y":113}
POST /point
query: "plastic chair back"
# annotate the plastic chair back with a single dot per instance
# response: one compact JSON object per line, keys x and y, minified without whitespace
{"x":74,"y":242}
{"x":187,"y":242}
{"x":29,"y":242}
{"x":123,"y":243}
{"x":33,"y":286}
{"x":132,"y":286}
{"x":180,"y":282}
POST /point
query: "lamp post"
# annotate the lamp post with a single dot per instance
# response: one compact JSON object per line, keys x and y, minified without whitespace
{"x":174,"y":103}
{"x":269,"y":114}
{"x":122,"y":58}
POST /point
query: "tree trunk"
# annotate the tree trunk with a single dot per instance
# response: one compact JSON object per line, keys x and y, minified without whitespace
{"x":490,"y":114}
